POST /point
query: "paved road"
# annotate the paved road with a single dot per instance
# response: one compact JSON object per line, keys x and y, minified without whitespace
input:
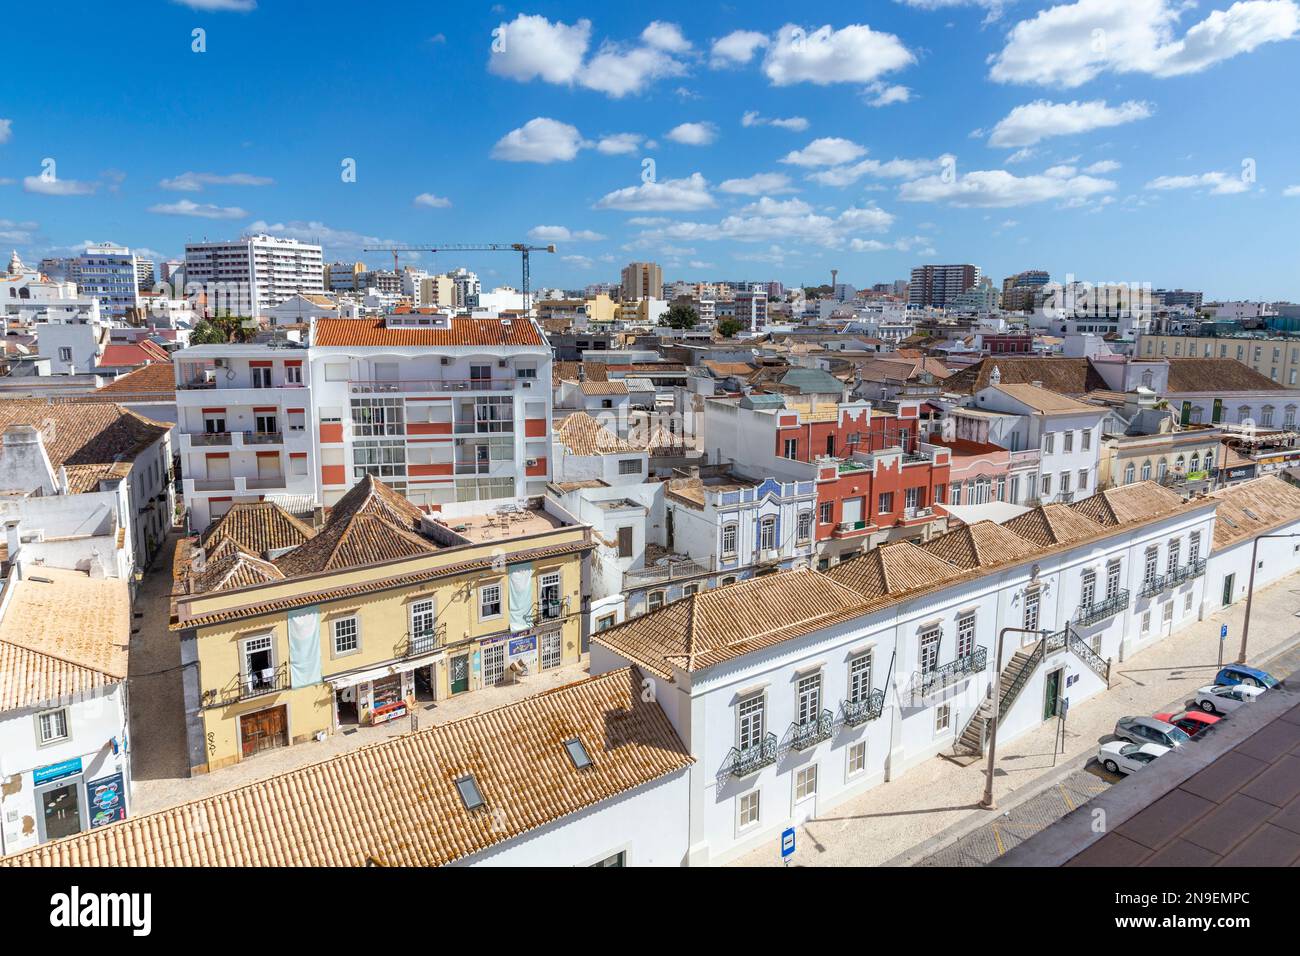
{"x":1039,"y":812}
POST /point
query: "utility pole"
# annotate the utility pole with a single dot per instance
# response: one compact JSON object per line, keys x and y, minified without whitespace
{"x":988,"y":802}
{"x":1250,"y":588}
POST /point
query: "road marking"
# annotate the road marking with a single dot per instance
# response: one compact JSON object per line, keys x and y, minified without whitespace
{"x":998,"y":837}
{"x":1068,"y":802}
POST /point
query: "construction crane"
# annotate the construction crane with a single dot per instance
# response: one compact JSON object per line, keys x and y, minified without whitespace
{"x":522,"y":248}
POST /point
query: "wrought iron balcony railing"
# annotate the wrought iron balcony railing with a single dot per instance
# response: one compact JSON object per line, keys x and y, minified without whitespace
{"x":1190,"y":570}
{"x":858,"y":712}
{"x":546,"y":611}
{"x":1090,"y":657}
{"x":812,"y":732}
{"x":269,"y":680}
{"x":953,"y":671}
{"x":741,"y":763}
{"x":1100,"y":610}
{"x":1154,"y":585}
{"x":425,"y":641}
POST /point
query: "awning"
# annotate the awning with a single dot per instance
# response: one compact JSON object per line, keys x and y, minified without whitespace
{"x":387,"y":670}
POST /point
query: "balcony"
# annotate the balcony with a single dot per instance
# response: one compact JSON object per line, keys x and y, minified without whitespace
{"x":927,"y":682}
{"x":364,"y":387}
{"x":210,"y":439}
{"x":672,"y":569}
{"x":812,"y":732}
{"x":858,"y":712}
{"x":271,"y":680}
{"x":845,"y":528}
{"x":1100,"y":610}
{"x":547,"y":611}
{"x":1193,"y":569}
{"x":424,"y":642}
{"x":1157,"y":584}
{"x":492,"y":427}
{"x":743,"y":762}
{"x":263,"y":438}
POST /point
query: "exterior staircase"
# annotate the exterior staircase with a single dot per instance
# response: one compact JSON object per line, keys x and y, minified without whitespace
{"x":1014,"y":676}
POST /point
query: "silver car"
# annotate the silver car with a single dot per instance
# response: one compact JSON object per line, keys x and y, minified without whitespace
{"x":1148,"y":730}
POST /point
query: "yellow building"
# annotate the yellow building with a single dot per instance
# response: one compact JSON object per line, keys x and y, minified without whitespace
{"x":298,"y":633}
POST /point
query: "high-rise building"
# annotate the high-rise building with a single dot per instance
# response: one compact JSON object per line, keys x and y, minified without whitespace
{"x":642,"y":280}
{"x":144,"y":274}
{"x":467,"y":287}
{"x":342,"y":276}
{"x":108,"y":272}
{"x":938,"y":285}
{"x":1019,"y":291}
{"x":1169,"y":297}
{"x":249,"y":275}
{"x":751,"y":308}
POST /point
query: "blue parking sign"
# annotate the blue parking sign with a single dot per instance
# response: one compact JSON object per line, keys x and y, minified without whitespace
{"x":787,"y":843}
{"x":1223,"y":633}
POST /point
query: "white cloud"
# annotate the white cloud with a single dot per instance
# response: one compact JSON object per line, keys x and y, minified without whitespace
{"x":853,"y":54}
{"x":6,"y":130}
{"x":1022,"y":155}
{"x":881,"y":94}
{"x":999,"y":188}
{"x":19,"y":233}
{"x":432,"y":201}
{"x":582,"y":262}
{"x":562,"y":234}
{"x":187,"y":207}
{"x":826,"y":151}
{"x":760,"y":184}
{"x":1069,"y":44}
{"x":532,"y":47}
{"x":693,"y":134}
{"x":665,"y":36}
{"x":1291,"y":191}
{"x":194,"y":182}
{"x":219,"y":6}
{"x":315,"y":231}
{"x":1033,"y":122}
{"x":1102,"y":167}
{"x":795,"y":124}
{"x":670,"y":195}
{"x":736,"y":48}
{"x":1219,"y":184}
{"x":58,"y":187}
{"x":540,"y":140}
{"x":617,"y":71}
{"x":619,"y":144}
{"x":787,"y":220}
{"x":891,"y":169}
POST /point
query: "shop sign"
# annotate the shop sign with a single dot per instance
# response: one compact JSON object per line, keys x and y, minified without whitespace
{"x":105,"y":799}
{"x":55,"y":771}
{"x":523,"y":645}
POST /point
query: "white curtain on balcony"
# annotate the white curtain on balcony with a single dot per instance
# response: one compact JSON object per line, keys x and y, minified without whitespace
{"x":521,"y":596}
{"x":304,"y":646}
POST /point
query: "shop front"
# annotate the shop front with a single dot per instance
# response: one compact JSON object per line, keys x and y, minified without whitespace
{"x":69,"y":801}
{"x":378,"y":695}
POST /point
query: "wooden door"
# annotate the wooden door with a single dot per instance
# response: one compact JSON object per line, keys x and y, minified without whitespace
{"x":264,"y":730}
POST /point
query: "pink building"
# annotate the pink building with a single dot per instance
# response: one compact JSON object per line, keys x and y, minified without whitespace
{"x":979,"y":471}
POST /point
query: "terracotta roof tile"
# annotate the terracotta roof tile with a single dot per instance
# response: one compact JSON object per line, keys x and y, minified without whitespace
{"x":581,"y":434}
{"x":603,"y":388}
{"x":892,"y":569}
{"x":99,"y":434}
{"x":463,"y":331}
{"x":396,"y":803}
{"x":979,"y":545}
{"x":1254,"y":507}
{"x":1068,"y":376}
{"x":1053,"y":524}
{"x":235,"y":570}
{"x":1128,"y":503}
{"x":257,"y":527}
{"x":156,"y":378}
{"x":1045,"y":400}
{"x":1216,"y":375}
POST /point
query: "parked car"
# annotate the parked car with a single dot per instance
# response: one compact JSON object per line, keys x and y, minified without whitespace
{"x":1120,"y":756}
{"x":1191,"y":722}
{"x":1220,"y":699}
{"x":1241,"y":674}
{"x":1148,"y":730}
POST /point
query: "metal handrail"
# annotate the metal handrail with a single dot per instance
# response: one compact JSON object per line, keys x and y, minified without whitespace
{"x":858,"y":712}
{"x":1155,"y":585}
{"x":363,"y":386}
{"x":424,"y":642}
{"x":953,"y":671}
{"x":805,"y":735}
{"x":248,"y":686}
{"x":741,"y":763}
{"x":1090,"y":657}
{"x":1099,"y":610}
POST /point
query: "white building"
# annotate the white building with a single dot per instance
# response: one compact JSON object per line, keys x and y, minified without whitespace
{"x":109,"y":273}
{"x":751,"y":309}
{"x":246,"y":428}
{"x":248,"y":276}
{"x":441,"y":408}
{"x":64,"y":745}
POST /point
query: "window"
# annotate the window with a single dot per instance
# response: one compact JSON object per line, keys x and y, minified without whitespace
{"x":1083,"y":479}
{"x":886,"y":502}
{"x":805,"y":783}
{"x":551,"y":647}
{"x":942,"y":718}
{"x":51,"y":727}
{"x":1048,"y":442}
{"x":1112,"y":579}
{"x":1047,"y":485}
{"x":655,"y":600}
{"x":1194,"y":547}
{"x":629,"y":466}
{"x":791,"y":448}
{"x":1088,"y":591}
{"x":966,"y":635}
{"x":1266,"y":416}
{"x":1187,"y":602}
{"x":809,"y":690}
{"x":347,"y":638}
{"x":1152,"y":558}
{"x":1068,"y":445}
{"x":728,"y":539}
{"x":956,"y":493}
{"x":293,"y":375}
{"x":857,"y":758}
{"x":747,"y":809}
{"x":1087,"y":439}
{"x":1032,"y":599}
{"x":577,"y":753}
{"x":1065,"y":482}
{"x":261,"y":376}
{"x":752,"y":722}
{"x":1167,"y":613}
{"x":860,"y":678}
{"x":767,"y":534}
{"x":422,"y":618}
{"x":1146,"y":470}
{"x":548,"y":596}
{"x":1172,"y":563}
{"x":489,"y":601}
{"x":805,"y":525}
{"x":1146,"y":622}
{"x":625,"y":542}
{"x":65,"y":354}
{"x":938,"y":494}
{"x":930,"y":650}
{"x":911,"y":498}
{"x":470,"y":795}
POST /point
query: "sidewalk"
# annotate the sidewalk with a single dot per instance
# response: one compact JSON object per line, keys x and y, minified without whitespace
{"x":891,"y":819}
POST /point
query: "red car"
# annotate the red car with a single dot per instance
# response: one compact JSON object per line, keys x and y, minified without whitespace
{"x":1192,"y":722}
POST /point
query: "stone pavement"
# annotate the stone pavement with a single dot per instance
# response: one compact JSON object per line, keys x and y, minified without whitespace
{"x":894,"y":821}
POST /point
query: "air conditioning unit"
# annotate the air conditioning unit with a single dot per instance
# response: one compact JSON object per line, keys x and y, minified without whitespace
{"x":444,"y":360}
{"x":220,"y":363}
{"x":530,"y":462}
{"x":501,"y":363}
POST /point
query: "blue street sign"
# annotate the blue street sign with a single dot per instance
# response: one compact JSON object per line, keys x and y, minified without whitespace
{"x":1223,"y":633}
{"x":787,"y":843}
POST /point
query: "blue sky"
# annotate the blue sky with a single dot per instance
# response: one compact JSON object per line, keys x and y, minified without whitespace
{"x":1138,"y":140}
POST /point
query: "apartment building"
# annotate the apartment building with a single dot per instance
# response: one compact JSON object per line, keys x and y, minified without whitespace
{"x":109,"y":273}
{"x":1277,"y":357}
{"x":939,"y":286}
{"x":442,"y":408}
{"x":642,"y":280}
{"x":294,"y":632}
{"x":248,"y":276}
{"x":751,"y":309}
{"x":64,"y":741}
{"x":245,"y":428}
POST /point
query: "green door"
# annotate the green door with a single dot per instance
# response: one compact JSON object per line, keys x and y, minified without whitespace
{"x":460,"y":674}
{"x":1051,"y":694}
{"x":1228,"y":581}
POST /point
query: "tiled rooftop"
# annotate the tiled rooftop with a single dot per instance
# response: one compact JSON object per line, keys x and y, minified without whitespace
{"x":1253,"y":507}
{"x":463,"y":331}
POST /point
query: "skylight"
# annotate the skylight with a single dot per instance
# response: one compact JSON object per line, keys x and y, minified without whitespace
{"x":470,"y":795}
{"x":578,"y":754}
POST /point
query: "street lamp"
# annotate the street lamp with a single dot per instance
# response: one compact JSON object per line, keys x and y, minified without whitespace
{"x":987,"y":802}
{"x":1250,"y":588}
